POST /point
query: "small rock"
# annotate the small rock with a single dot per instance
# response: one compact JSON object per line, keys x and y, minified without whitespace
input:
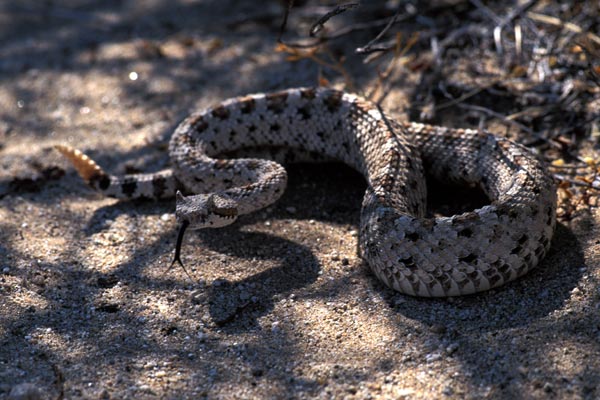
{"x":161,"y":374}
{"x":25,"y":391}
{"x":432,"y":357}
{"x":437,"y":328}
{"x":404,"y":392}
{"x":165,"y":217}
{"x":145,"y":388}
{"x":452,"y":347}
{"x":291,"y":210}
{"x":275,"y":327}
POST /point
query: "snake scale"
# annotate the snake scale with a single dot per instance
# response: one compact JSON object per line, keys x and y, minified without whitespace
{"x":415,"y":255}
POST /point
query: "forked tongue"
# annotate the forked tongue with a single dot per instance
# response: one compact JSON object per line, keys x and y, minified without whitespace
{"x":177,"y":257}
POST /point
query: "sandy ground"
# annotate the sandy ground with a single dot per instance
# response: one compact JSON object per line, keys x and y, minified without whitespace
{"x":281,"y":306}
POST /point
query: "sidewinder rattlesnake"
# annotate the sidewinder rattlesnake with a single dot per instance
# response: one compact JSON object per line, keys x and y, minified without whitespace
{"x":445,"y":256}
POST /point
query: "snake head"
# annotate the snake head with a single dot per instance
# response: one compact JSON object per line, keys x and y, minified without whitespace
{"x":210,"y":210}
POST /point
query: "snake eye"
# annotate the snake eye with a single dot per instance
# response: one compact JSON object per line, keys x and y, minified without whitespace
{"x":222,"y":206}
{"x":228,"y":212}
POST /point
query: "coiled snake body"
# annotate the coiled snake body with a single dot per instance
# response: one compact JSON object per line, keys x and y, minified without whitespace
{"x":419,"y":256}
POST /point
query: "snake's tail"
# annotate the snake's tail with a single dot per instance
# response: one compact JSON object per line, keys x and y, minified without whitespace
{"x":87,"y":168}
{"x":157,"y":185}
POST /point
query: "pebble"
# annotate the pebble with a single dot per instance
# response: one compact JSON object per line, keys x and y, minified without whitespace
{"x":275,"y":327}
{"x":144,"y":388}
{"x":291,"y":210}
{"x":432,"y":357}
{"x":448,"y":391}
{"x":25,"y":391}
{"x":452,"y":347}
{"x":404,"y":392}
{"x":437,"y":328}
{"x":165,"y":217}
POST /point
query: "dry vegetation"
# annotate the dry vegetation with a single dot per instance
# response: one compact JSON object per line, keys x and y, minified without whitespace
{"x":533,"y":68}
